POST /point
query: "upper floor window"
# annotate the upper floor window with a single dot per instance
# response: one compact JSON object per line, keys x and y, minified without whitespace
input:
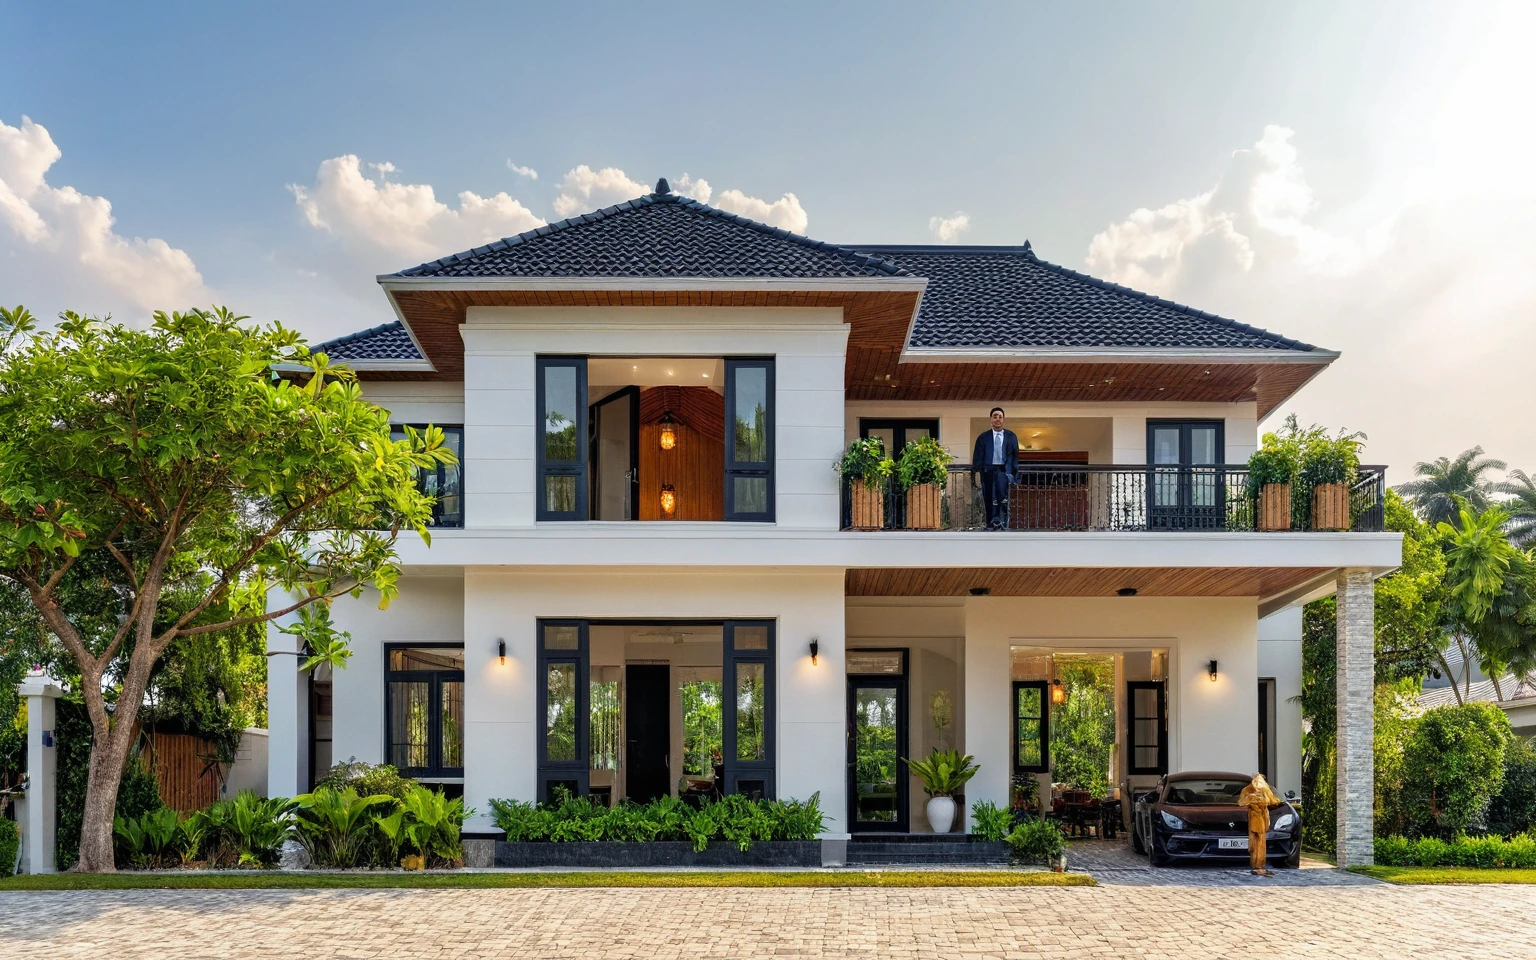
{"x":655,"y":438}
{"x":445,"y":482}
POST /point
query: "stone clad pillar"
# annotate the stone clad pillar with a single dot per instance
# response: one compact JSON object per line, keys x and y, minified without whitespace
{"x":38,"y":827}
{"x":1354,"y":788}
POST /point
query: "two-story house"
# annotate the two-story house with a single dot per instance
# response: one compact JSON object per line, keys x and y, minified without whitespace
{"x":649,"y":579}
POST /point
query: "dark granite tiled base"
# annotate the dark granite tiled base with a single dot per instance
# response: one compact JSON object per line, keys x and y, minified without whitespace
{"x":778,"y":853}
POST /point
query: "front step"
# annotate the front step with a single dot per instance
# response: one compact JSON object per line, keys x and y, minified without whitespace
{"x":923,"y":848}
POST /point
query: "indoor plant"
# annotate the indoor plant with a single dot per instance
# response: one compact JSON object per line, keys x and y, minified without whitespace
{"x":943,"y":775}
{"x":865,"y":469}
{"x":1271,"y":470}
{"x":1328,"y":468}
{"x":922,"y":471}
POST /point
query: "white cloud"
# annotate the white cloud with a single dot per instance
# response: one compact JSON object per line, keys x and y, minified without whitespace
{"x":948,"y":229}
{"x":404,"y":221}
{"x":583,"y":190}
{"x":1260,"y":208}
{"x":63,"y":246}
{"x":523,"y":171}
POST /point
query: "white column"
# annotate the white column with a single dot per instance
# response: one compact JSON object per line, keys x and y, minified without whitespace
{"x":1354,"y":789}
{"x":987,"y":690}
{"x":38,"y":824}
{"x":287,"y":737}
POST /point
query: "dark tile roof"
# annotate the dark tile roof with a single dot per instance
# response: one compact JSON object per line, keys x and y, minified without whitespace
{"x":659,"y":235}
{"x":1008,"y":297}
{"x":388,"y":341}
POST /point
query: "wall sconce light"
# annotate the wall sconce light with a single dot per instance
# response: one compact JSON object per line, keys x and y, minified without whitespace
{"x":1213,"y":671}
{"x":668,"y":431}
{"x":1058,"y":692}
{"x":668,"y":499}
{"x":815,"y":649}
{"x":501,"y":650}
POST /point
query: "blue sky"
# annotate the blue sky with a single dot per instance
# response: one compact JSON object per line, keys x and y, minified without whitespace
{"x":1349,"y":174}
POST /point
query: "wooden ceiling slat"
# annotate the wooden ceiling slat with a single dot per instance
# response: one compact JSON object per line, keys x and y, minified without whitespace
{"x":1077,"y":581}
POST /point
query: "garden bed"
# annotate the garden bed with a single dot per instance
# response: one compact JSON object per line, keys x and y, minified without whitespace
{"x":660,"y":853}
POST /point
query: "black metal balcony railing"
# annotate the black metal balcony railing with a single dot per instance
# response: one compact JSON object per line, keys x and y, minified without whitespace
{"x":1098,"y":497}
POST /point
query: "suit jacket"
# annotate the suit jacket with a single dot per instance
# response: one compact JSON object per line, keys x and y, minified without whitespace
{"x":981,"y":453}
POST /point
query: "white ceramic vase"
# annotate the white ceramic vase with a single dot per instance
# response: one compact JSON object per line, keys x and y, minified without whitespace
{"x":941,"y":813}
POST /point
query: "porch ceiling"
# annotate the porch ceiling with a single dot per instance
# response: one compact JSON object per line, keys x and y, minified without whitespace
{"x":1079,"y":581}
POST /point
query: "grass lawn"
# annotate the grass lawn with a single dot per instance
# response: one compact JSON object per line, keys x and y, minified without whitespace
{"x":193,"y":880}
{"x":1428,"y":875}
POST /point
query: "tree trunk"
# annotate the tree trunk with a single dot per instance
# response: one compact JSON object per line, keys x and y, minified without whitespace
{"x":1451,"y":676}
{"x":1497,"y":691}
{"x":108,"y":755}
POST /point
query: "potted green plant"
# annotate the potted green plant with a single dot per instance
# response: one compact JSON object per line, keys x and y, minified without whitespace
{"x":923,"y":471}
{"x":1271,"y":470}
{"x":1328,"y":468}
{"x":866,"y":470}
{"x":943,"y":775}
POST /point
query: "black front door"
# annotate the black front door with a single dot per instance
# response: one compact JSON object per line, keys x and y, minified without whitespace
{"x":877,"y":745}
{"x":615,"y":455}
{"x":1186,"y":483}
{"x":648,"y":731}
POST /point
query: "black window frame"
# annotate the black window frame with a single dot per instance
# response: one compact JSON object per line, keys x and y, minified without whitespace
{"x":435,"y":680}
{"x":1132,"y":744}
{"x":1185,"y":514}
{"x":562,"y":771}
{"x":735,"y":769}
{"x":898,"y":427}
{"x":547,"y":468}
{"x":439,"y":520}
{"x":1044,"y":688}
{"x":735,"y":468}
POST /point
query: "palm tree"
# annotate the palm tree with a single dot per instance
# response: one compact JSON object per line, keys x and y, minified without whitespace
{"x":1441,"y":482}
{"x":1478,"y":557}
{"x":1521,"y":507}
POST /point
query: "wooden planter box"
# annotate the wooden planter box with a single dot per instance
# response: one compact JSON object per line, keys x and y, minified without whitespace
{"x":666,"y":853}
{"x":1330,"y":506}
{"x":868,"y":507}
{"x":925,"y":507}
{"x":1275,"y":506}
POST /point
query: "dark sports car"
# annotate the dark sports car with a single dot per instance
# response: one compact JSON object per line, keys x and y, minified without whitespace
{"x":1195,"y":816}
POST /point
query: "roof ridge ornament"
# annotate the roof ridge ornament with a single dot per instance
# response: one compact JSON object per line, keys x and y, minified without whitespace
{"x":662,"y":188}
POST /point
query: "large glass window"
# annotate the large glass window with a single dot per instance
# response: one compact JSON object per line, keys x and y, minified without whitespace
{"x":445,"y":482}
{"x":701,"y":707}
{"x":749,"y":709}
{"x":564,"y":696}
{"x":749,"y":439}
{"x":1148,"y":728}
{"x":424,"y":709}
{"x":562,"y":450}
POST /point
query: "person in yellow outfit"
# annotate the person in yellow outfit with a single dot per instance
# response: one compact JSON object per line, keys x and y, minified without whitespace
{"x":1259,"y":800}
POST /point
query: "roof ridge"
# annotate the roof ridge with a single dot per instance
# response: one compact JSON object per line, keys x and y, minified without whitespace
{"x":662,"y":195}
{"x":358,"y":335}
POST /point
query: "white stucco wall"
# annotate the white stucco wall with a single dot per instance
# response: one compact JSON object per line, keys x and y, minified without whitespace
{"x":502,"y":343}
{"x":1211,"y":725}
{"x":501,"y":726}
{"x":1280,"y":658}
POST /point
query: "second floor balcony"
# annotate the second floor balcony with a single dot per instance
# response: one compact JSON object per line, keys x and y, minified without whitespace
{"x":1113,"y":498}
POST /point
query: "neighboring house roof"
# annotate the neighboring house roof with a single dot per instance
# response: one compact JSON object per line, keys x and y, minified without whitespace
{"x":977,"y":298}
{"x":388,"y":341}
{"x":659,"y":235}
{"x":991,"y":297}
{"x":1481,"y":691}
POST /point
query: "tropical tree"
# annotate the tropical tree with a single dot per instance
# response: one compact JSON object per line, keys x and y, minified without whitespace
{"x":1440,"y":482}
{"x":174,"y":461}
{"x":1488,"y":582}
{"x":1521,"y":506}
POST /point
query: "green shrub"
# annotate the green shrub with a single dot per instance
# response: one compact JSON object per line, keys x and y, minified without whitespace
{"x":865,"y":462}
{"x":148,"y":841}
{"x":1327,"y":459}
{"x":1453,"y":764}
{"x":10,"y":846}
{"x":736,"y":818}
{"x":1394,"y":852}
{"x":336,"y":827}
{"x":1431,"y":852}
{"x":1037,"y":841}
{"x":1512,"y":810}
{"x":248,"y":831}
{"x":989,"y":821}
{"x":367,"y":780}
{"x":1520,"y":852}
{"x":433,"y":825}
{"x":1275,"y":462}
{"x":923,"y":460}
{"x":1481,"y":852}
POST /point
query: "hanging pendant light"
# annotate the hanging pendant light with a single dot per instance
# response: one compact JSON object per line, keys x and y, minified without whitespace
{"x":668,"y":499}
{"x":668,"y":431}
{"x":1058,"y":692}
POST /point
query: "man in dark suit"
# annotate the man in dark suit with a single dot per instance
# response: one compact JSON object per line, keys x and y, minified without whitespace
{"x":995,"y":462}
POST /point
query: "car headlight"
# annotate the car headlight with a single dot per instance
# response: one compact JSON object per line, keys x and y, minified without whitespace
{"x":1286,"y":822}
{"x":1173,"y":822}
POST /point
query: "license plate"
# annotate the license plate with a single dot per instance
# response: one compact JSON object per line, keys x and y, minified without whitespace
{"x":1232,"y":843}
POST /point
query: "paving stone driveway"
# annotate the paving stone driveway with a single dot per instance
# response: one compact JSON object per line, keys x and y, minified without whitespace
{"x":1184,"y":922}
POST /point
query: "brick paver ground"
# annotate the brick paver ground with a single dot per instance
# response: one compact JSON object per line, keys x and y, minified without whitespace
{"x":1120,"y":921}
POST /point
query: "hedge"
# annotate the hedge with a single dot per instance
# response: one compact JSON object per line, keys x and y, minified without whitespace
{"x":10,"y":845}
{"x":1485,"y":852}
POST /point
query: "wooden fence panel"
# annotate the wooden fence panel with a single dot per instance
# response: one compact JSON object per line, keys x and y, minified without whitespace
{"x":187,"y":781}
